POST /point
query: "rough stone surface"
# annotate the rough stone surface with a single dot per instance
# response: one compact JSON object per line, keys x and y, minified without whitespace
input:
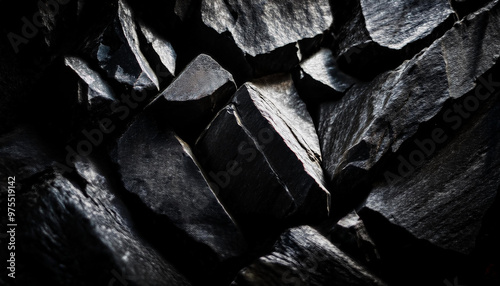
{"x":74,"y":224}
{"x":161,"y":170}
{"x":97,"y":88}
{"x":259,"y":28}
{"x":269,"y":33}
{"x":445,"y":200}
{"x":275,"y":129}
{"x":304,"y":257}
{"x":301,"y":113}
{"x":196,"y":95}
{"x":374,"y":119}
{"x":118,"y":52}
{"x":320,"y":78}
{"x":351,"y":236}
{"x":385,"y":32}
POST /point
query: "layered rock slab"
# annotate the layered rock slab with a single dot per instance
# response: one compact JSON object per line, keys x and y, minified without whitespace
{"x":373,"y":37}
{"x":266,"y":133}
{"x":445,"y":199}
{"x":304,"y":257}
{"x":74,"y":223}
{"x":374,"y":119}
{"x":268,"y":32}
{"x":195,"y":96}
{"x":161,"y":170}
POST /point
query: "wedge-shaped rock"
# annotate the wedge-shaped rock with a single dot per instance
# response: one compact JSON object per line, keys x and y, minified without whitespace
{"x":160,"y":169}
{"x":76,"y":227}
{"x":269,"y":127}
{"x":160,"y":52}
{"x":118,"y":52}
{"x":196,"y":95}
{"x":302,"y":256}
{"x":351,"y":236}
{"x":268,"y":32}
{"x":320,"y":78}
{"x":95,"y":89}
{"x":445,"y":199}
{"x":240,"y":173}
{"x":374,"y":119}
{"x":385,"y":32}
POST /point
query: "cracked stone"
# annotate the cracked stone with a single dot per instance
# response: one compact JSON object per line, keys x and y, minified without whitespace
{"x":268,"y":33}
{"x":272,"y":138}
{"x":304,"y":257}
{"x":320,"y":78}
{"x":374,"y":119}
{"x":464,"y":175}
{"x":196,"y":95}
{"x":161,"y":170}
{"x":385,"y":33}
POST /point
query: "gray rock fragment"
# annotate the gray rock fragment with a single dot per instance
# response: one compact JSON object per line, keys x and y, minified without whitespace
{"x":372,"y":37}
{"x":444,"y":200}
{"x":163,"y":49}
{"x":374,"y":119}
{"x":161,"y":170}
{"x":74,"y":225}
{"x":351,"y":236}
{"x":268,"y":134}
{"x":320,"y":78}
{"x":119,"y":54}
{"x":269,"y":30}
{"x":302,"y":256}
{"x":192,"y":100}
{"x":97,"y":89}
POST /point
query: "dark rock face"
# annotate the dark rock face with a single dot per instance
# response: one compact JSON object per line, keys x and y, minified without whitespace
{"x":321,"y":79}
{"x":304,"y":257}
{"x":273,"y":136}
{"x":393,"y":30}
{"x":231,"y":142}
{"x":97,"y":89}
{"x":274,"y":27}
{"x":461,"y":176}
{"x":196,"y":95}
{"x":374,"y":119}
{"x":120,"y":41}
{"x":154,"y":164}
{"x":74,"y":224}
{"x":351,"y":236}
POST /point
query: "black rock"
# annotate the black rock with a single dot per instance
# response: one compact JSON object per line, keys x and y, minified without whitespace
{"x":443,"y":200}
{"x":303,"y":256}
{"x":385,"y":33}
{"x":358,"y":132}
{"x":321,"y":79}
{"x":267,"y":134}
{"x":239,"y":172}
{"x":74,"y":224}
{"x":268,"y":34}
{"x":161,"y":170}
{"x":351,"y":236}
{"x":70,"y":232}
{"x":158,"y":50}
{"x":94,"y":90}
{"x":195,"y":96}
{"x":119,"y":54}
